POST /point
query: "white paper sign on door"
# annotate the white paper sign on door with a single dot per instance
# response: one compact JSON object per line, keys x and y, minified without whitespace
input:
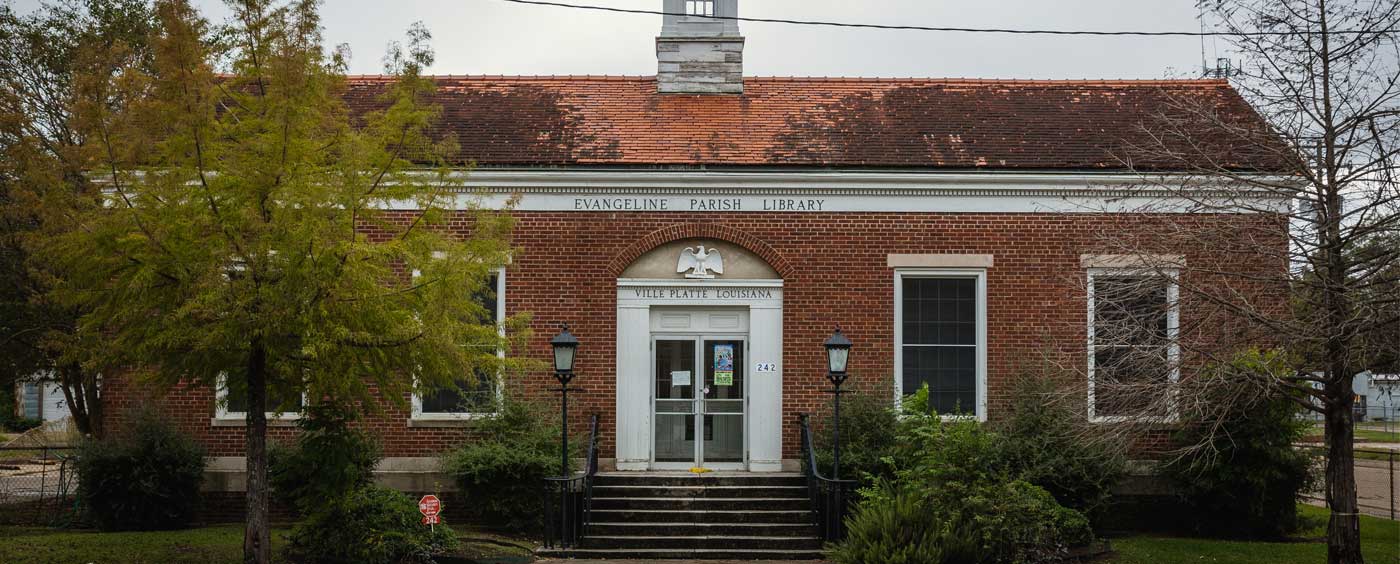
{"x":680,"y":377}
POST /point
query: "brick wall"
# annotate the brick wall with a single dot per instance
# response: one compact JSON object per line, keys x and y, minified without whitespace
{"x":834,"y":269}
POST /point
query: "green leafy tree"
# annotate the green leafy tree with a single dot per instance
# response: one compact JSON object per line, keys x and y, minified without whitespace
{"x":43,"y":159}
{"x":243,"y":232}
{"x":328,"y":460}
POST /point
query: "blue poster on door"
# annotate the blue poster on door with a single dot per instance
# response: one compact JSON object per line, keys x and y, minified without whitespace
{"x":724,"y":365}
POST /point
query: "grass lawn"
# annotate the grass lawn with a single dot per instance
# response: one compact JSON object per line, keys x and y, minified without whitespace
{"x":209,"y":545}
{"x":1370,"y":432}
{"x":1377,"y":435}
{"x":1380,"y":544}
{"x":218,"y":544}
{"x":1367,"y":454}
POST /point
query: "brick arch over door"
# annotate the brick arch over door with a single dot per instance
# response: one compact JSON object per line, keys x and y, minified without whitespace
{"x":699,"y":231}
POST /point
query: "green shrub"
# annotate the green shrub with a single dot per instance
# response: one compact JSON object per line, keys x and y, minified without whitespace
{"x":994,"y":522}
{"x":328,"y":460}
{"x":932,"y":451}
{"x":1243,"y":477}
{"x":869,"y":431}
{"x":502,"y":467}
{"x":1043,"y":442}
{"x":372,"y":525}
{"x":897,"y":526}
{"x":915,"y":403}
{"x":327,"y":473}
{"x":144,"y":479}
{"x":971,"y":506}
{"x":1016,"y":521}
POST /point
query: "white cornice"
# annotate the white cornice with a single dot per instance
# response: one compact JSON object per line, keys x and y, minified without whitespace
{"x":576,"y":181}
{"x":619,"y":190}
{"x":835,"y":183}
{"x":851,"y":191}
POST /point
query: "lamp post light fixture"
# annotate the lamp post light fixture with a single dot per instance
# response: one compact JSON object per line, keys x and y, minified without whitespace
{"x":838,"y":349}
{"x":565,"y":346}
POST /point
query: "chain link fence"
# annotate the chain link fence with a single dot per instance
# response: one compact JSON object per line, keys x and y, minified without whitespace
{"x":1376,"y":477}
{"x":38,"y":485}
{"x":1378,"y":418}
{"x":1373,"y":423}
{"x":1376,"y":442}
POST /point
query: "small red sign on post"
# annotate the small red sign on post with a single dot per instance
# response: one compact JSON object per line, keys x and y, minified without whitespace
{"x":429,"y":506}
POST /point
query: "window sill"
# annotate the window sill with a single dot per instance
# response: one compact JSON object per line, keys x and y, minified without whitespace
{"x":952,"y":418}
{"x":445,"y":421}
{"x":240,"y":422}
{"x":1164,"y":421}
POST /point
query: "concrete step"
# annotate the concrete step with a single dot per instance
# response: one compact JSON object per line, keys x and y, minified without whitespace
{"x":701,"y":503}
{"x":801,"y":516}
{"x":708,"y":491}
{"x":682,"y":554}
{"x":712,"y":516}
{"x":702,"y":543}
{"x":681,"y":529}
{"x":689,"y":479}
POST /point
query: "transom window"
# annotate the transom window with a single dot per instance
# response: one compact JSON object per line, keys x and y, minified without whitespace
{"x":475,"y":394}
{"x":941,"y":339}
{"x":1133,"y":355}
{"x":700,"y":8}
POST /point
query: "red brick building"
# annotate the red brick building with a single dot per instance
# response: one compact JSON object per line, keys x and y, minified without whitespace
{"x":703,"y":233}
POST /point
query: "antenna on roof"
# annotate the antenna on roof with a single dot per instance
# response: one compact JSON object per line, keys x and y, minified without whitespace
{"x":1223,"y":69}
{"x":1201,"y":17}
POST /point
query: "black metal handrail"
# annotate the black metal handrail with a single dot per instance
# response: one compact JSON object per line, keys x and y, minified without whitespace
{"x":831,"y":499}
{"x":568,"y":500}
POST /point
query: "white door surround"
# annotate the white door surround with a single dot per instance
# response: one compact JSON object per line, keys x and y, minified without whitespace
{"x":645,"y":306}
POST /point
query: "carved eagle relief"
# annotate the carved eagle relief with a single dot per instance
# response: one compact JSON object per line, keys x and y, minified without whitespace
{"x":698,"y":262}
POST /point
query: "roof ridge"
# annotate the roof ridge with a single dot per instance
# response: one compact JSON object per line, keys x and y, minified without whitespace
{"x":846,"y":79}
{"x":617,"y":77}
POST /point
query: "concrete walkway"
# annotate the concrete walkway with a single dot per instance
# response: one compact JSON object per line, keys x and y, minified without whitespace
{"x":564,"y":561}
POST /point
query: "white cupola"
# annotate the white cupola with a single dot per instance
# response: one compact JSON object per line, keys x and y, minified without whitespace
{"x":697,"y":53}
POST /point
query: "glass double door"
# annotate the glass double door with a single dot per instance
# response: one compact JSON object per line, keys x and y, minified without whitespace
{"x":699,"y":390}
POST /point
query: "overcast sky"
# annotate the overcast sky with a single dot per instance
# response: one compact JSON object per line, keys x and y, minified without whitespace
{"x":495,"y":37}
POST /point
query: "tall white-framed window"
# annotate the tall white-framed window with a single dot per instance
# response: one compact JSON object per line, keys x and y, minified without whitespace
{"x":940,"y":329}
{"x":477,"y":395}
{"x":231,"y":404}
{"x":700,"y":8}
{"x":1133,"y":351}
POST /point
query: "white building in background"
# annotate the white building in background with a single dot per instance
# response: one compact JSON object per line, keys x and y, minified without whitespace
{"x":39,"y":398}
{"x":1377,"y":396}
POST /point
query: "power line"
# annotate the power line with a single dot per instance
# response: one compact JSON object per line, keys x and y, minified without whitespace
{"x":1201,"y":33}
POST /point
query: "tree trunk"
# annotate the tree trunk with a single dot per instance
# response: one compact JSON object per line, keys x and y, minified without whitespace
{"x":80,"y":392}
{"x":257,"y":536}
{"x":92,"y":397}
{"x":1344,"y":526}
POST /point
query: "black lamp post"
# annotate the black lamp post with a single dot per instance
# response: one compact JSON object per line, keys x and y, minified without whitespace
{"x":838,"y":349}
{"x":565,"y":345}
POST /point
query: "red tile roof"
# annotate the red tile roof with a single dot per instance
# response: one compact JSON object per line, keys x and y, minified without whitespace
{"x":813,"y":122}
